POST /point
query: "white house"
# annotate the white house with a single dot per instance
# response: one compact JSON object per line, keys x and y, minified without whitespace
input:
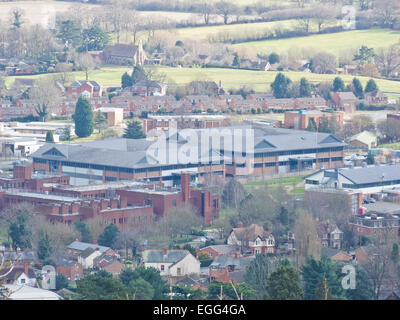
{"x":86,"y":258}
{"x":18,"y":292}
{"x":174,"y":263}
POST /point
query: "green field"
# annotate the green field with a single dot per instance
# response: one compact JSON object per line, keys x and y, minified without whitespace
{"x":334,"y":42}
{"x":231,"y":78}
{"x":238,"y":30}
{"x":394,"y":146}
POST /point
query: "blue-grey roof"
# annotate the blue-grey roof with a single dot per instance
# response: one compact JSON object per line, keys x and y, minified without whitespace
{"x":371,"y":174}
{"x":81,"y":246}
{"x":238,"y":263}
{"x":157,"y":256}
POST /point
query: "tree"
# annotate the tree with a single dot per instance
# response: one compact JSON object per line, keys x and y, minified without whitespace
{"x":358,"y":88}
{"x":20,"y":232}
{"x":86,"y":63}
{"x":305,"y":88}
{"x":69,"y":33}
{"x":312,"y":126}
{"x":82,"y":228}
{"x":49,"y":136}
{"x":109,"y":235}
{"x":257,"y":275}
{"x":100,"y":121}
{"x":17,"y":19}
{"x":388,"y":60}
{"x":323,"y":62}
{"x":363,"y":290}
{"x":338,"y":85}
{"x":233,"y":193}
{"x":83,"y":117}
{"x":134,"y":130}
{"x":94,"y":39}
{"x":101,"y":286}
{"x":66,"y":134}
{"x":225,"y":9}
{"x":307,"y":242}
{"x":280,"y":86}
{"x":180,"y":220}
{"x":126,"y":80}
{"x":371,"y":86}
{"x":61,"y":282}
{"x":321,"y":280}
{"x":206,"y":9}
{"x":364,"y":55}
{"x":44,"y":247}
{"x":141,"y":289}
{"x":273,"y":58}
{"x":236,"y":60}
{"x":138,"y":74}
{"x":284,"y":284}
{"x":46,"y":95}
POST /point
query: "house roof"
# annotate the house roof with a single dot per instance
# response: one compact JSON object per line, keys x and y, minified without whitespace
{"x":81,"y":246}
{"x":371,"y":174}
{"x":366,"y":137}
{"x":224,"y":249}
{"x":17,"y":271}
{"x":30,"y":293}
{"x":87,"y":252}
{"x":238,"y":263}
{"x":121,"y":50}
{"x":250,"y":233}
{"x":157,"y":256}
{"x":346,"y":95}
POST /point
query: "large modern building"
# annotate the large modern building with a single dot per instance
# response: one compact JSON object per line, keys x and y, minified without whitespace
{"x":229,"y":151}
{"x":366,"y":180}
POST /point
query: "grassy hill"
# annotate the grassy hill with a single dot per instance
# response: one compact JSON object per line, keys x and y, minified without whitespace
{"x":334,"y":42}
{"x":231,"y":78}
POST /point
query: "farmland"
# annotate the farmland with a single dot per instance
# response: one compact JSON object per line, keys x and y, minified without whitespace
{"x":334,"y":42}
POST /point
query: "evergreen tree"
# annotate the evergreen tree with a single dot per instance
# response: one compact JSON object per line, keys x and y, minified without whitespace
{"x":100,"y":122}
{"x":134,"y":130}
{"x":324,"y":125}
{"x":109,"y":235}
{"x":49,"y":136}
{"x":236,"y":60}
{"x":94,"y":39}
{"x":312,"y":126}
{"x":83,"y":118}
{"x":338,"y":85}
{"x":313,"y":272}
{"x":305,"y":88}
{"x":44,"y":247}
{"x":322,"y":291}
{"x":138,"y":74}
{"x":66,"y":134}
{"x":86,"y":236}
{"x":284,"y":284}
{"x":257,"y":275}
{"x":70,"y":32}
{"x":358,"y":88}
{"x":20,"y":233}
{"x":126,"y":80}
{"x":140,"y":289}
{"x":364,"y":289}
{"x":280,"y":86}
{"x":273,"y":58}
{"x":371,"y":86}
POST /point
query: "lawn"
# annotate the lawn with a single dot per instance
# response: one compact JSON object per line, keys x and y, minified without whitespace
{"x":334,"y":42}
{"x":3,"y":234}
{"x":394,"y":146}
{"x":231,"y":78}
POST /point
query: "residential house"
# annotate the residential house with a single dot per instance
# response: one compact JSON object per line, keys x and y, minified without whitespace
{"x":171,"y":263}
{"x":346,"y":101}
{"x":87,"y":256}
{"x":109,"y":263}
{"x":69,"y":268}
{"x":364,"y":140}
{"x":148,"y":88}
{"x":227,"y":250}
{"x":336,"y":255}
{"x":22,"y":275}
{"x":329,"y":234}
{"x":252,"y":239}
{"x":227,"y":269}
{"x":376,"y":98}
{"x":89,"y":89}
{"x":77,"y":247}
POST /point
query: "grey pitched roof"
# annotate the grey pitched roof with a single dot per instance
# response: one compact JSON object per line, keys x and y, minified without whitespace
{"x":121,"y":50}
{"x":81,"y":246}
{"x":329,"y":252}
{"x":371,"y":174}
{"x":157,"y":256}
{"x":238,"y":263}
{"x":87,"y":252}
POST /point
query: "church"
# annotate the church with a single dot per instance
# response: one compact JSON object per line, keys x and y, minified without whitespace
{"x":124,"y":54}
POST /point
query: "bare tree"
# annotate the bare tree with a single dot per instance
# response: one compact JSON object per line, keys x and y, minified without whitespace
{"x":225,"y":9}
{"x":86,"y":63}
{"x":46,"y":96}
{"x":388,"y":60}
{"x":307,"y":242}
{"x":206,"y":9}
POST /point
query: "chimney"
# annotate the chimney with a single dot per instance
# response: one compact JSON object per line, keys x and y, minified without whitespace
{"x":165,"y":251}
{"x":185,"y":186}
{"x":197,"y":253}
{"x":26,"y":268}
